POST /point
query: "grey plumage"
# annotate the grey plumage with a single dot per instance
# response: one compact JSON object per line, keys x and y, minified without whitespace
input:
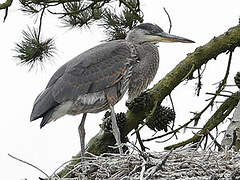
{"x":100,"y":68}
{"x":99,"y":77}
{"x":143,"y":72}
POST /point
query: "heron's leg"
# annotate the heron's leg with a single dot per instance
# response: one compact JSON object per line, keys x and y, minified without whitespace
{"x":115,"y":129}
{"x":81,"y":132}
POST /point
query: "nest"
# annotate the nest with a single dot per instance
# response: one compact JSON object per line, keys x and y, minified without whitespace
{"x":187,"y":164}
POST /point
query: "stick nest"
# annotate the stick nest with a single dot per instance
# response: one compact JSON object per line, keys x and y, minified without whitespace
{"x":185,"y":164}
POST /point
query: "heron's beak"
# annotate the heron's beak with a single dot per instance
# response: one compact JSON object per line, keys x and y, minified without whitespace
{"x":166,"y":37}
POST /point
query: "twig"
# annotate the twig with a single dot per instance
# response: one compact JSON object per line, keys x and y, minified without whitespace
{"x":25,"y":162}
{"x":6,"y":13}
{"x":170,"y":22}
{"x":40,"y":23}
{"x":199,"y":84}
{"x":234,"y":139}
{"x":174,"y":134}
{"x":160,"y":165}
{"x":143,"y":148}
{"x":215,"y":141}
{"x":218,"y":94}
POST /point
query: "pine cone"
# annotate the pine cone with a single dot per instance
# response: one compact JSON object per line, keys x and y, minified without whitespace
{"x":107,"y":124}
{"x":237,"y":79}
{"x":163,"y":116}
{"x":139,"y":103}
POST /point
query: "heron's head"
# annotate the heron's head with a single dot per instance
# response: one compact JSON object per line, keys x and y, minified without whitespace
{"x":147,"y":32}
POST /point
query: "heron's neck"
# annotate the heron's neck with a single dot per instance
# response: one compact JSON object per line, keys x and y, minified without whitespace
{"x":135,"y":37}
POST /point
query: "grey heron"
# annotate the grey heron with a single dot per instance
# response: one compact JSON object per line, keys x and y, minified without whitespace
{"x":99,"y":77}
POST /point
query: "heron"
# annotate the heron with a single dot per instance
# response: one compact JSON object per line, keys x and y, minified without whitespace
{"x":98,"y":78}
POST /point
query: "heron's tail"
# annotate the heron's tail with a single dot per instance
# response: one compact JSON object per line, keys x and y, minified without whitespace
{"x":43,"y":107}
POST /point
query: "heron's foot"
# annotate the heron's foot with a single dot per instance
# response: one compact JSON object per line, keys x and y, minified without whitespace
{"x":118,"y":140}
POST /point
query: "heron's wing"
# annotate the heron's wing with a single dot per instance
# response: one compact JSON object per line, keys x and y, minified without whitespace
{"x":92,"y":71}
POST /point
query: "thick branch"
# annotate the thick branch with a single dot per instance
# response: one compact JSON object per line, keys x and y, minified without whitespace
{"x":219,"y":116}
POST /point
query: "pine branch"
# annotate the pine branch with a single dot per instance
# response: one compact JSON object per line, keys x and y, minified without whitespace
{"x":32,"y":49}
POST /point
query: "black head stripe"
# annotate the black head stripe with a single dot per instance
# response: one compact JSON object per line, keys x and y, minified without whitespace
{"x":149,"y":27}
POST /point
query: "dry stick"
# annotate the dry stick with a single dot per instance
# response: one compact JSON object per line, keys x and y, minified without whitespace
{"x":6,"y":13}
{"x":234,"y":139}
{"x":215,"y":141}
{"x":40,"y":23}
{"x":160,"y":165}
{"x":218,"y":94}
{"x":143,"y":148}
{"x":170,"y":22}
{"x":25,"y":162}
{"x":199,"y":85}
{"x":174,"y":134}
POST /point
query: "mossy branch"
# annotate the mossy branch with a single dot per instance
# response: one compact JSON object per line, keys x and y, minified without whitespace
{"x":223,"y":43}
{"x":219,"y":116}
{"x":6,"y":4}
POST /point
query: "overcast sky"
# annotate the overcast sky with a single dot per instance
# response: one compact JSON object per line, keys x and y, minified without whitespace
{"x":51,"y":146}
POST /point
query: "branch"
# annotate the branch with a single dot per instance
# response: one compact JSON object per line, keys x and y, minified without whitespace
{"x":169,"y":18}
{"x":6,"y":4}
{"x":219,"y":116}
